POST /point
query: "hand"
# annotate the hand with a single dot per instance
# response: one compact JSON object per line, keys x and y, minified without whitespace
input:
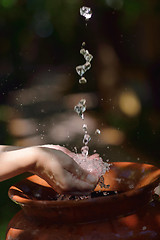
{"x":56,"y":165}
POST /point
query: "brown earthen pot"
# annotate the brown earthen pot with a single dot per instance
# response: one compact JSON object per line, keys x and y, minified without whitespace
{"x":130,"y":213}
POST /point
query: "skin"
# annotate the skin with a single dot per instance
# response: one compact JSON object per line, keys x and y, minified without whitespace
{"x":53,"y":163}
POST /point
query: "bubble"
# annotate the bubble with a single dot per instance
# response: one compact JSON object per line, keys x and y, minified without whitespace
{"x":86,"y":139}
{"x":86,"y":12}
{"x":97,"y":131}
{"x":82,"y":80}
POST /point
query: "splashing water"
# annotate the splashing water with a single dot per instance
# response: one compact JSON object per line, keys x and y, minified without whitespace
{"x":84,"y":151}
{"x":86,"y":12}
{"x":94,"y":164}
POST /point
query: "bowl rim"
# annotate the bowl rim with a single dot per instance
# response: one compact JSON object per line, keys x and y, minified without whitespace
{"x":15,"y":197}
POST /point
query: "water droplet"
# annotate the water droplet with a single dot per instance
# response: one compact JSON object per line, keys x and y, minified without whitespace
{"x":80,"y":108}
{"x":97,"y":131}
{"x":82,"y":51}
{"x":82,"y":80}
{"x":85,"y":128}
{"x":87,"y":66}
{"x":88,"y":57}
{"x":144,"y":228}
{"x":80,"y":70}
{"x":105,"y":193}
{"x":84,"y":151}
{"x":75,"y":149}
{"x":86,"y":139}
{"x":86,"y":12}
{"x":102,"y":184}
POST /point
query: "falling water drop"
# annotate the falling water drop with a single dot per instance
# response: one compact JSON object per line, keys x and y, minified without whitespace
{"x":87,"y":66}
{"x":86,"y":12}
{"x":80,"y":108}
{"x":85,"y":128}
{"x":82,"y":80}
{"x":86,"y":139}
{"x":84,"y":151}
{"x":82,"y":51}
{"x":80,"y":70}
{"x":97,"y":131}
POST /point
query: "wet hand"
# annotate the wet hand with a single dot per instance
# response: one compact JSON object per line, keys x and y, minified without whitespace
{"x":56,"y":165}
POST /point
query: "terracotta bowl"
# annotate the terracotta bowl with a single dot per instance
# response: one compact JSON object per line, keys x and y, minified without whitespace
{"x":133,"y":184}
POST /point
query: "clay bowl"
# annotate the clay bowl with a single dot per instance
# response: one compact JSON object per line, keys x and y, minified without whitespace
{"x":132,"y":184}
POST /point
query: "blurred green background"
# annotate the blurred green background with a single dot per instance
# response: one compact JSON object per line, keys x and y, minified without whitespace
{"x":39,"y":50}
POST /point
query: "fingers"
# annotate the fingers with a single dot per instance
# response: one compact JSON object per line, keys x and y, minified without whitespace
{"x":59,"y":148}
{"x":72,"y":185}
{"x":74,"y":169}
{"x":96,"y":155}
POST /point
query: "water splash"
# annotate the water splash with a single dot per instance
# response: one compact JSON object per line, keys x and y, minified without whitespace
{"x":86,"y":12}
{"x":84,"y":151}
{"x":96,"y":165}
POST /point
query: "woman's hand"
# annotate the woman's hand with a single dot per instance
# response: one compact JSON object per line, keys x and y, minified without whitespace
{"x":57,"y":166}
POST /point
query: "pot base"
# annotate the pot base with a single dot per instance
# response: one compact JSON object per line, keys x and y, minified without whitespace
{"x":144,"y":225}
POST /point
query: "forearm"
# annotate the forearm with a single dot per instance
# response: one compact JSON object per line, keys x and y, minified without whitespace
{"x":15,"y":162}
{"x":6,"y":148}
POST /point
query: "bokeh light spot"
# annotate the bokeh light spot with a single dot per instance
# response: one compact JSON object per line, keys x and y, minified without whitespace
{"x":129,"y":103}
{"x":8,"y":3}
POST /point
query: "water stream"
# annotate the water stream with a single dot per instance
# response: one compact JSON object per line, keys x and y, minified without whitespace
{"x":81,"y":106}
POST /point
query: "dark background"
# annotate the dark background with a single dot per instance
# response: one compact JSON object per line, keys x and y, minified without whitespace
{"x":39,"y":50}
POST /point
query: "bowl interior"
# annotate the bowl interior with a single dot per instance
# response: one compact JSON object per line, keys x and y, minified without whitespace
{"x":121,"y":177}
